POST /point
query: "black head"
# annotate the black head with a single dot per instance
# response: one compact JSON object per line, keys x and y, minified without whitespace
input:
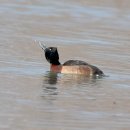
{"x":52,"y":55}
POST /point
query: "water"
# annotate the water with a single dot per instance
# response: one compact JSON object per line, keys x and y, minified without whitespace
{"x":32,"y":98}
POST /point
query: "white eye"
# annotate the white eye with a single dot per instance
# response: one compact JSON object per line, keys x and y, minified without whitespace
{"x":50,"y":49}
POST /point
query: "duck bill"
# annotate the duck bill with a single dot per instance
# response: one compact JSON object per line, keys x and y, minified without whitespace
{"x":43,"y":46}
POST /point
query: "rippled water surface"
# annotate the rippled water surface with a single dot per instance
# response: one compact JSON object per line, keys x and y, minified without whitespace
{"x":31,"y":97}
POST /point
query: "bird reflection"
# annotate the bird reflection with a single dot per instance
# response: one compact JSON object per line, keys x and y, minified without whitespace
{"x":51,"y":78}
{"x":49,"y":84}
{"x":56,"y":84}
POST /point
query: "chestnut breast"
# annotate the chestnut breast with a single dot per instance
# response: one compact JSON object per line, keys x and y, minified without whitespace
{"x":76,"y":69}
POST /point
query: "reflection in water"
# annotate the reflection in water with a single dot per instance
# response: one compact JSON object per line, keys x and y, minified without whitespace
{"x":53,"y":80}
{"x":49,"y":82}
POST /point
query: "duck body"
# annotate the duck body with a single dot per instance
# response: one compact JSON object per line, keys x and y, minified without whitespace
{"x":76,"y":67}
{"x":70,"y":66}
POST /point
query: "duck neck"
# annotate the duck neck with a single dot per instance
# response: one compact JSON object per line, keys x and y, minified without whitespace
{"x":56,"y":68}
{"x":55,"y":63}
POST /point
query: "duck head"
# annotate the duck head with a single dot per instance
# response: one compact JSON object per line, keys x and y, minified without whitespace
{"x":51,"y":54}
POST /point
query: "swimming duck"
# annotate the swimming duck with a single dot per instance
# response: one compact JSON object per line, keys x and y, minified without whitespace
{"x":70,"y":66}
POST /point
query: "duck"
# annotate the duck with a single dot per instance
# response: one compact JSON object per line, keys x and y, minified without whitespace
{"x":70,"y":66}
